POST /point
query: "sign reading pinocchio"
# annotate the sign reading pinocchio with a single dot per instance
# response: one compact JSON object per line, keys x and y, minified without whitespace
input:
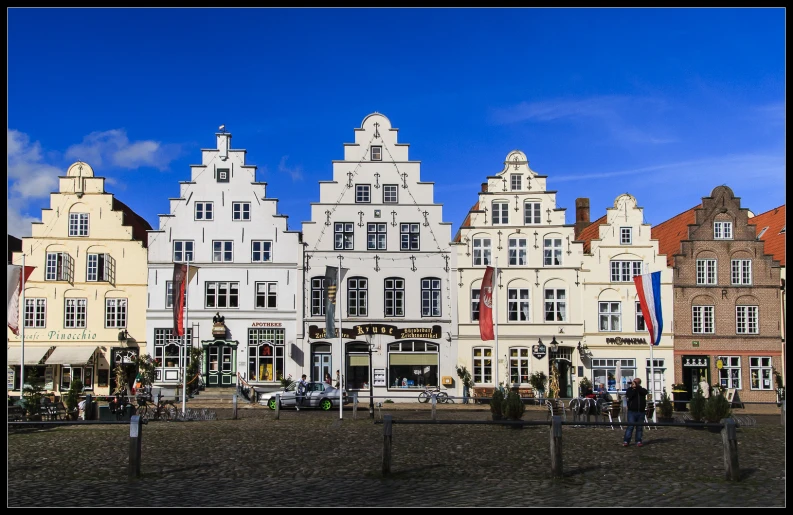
{"x":385,"y":329}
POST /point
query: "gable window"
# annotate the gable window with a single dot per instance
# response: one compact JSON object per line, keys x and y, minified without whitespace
{"x":515,"y":181}
{"x":357,"y":296}
{"x":182,"y":251}
{"x":610,"y":315}
{"x":78,"y":224}
{"x":760,"y":371}
{"x":481,"y":251}
{"x":702,"y":319}
{"x":261,"y":251}
{"x":343,"y":235}
{"x":169,"y":294}
{"x":375,"y":236}
{"x":317,"y":296}
{"x":531,"y":213}
{"x":624,"y":271}
{"x":241,"y":211}
{"x":730,"y":372}
{"x":115,"y":313}
{"x":722,"y":230}
{"x":640,"y":318}
{"x":223,"y":175}
{"x":60,"y":267}
{"x":431,"y":297}
{"x":74,"y":313}
{"x":555,"y":305}
{"x":552,"y":251}
{"x":746,"y":320}
{"x":222,"y":294}
{"x":518,"y":304}
{"x":706,"y":271}
{"x":517,"y":251}
{"x":519,"y":365}
{"x":101,"y":267}
{"x":203,"y":211}
{"x":742,"y":271}
{"x":500,"y":213}
{"x":474,"y":304}
{"x":483,"y":365}
{"x":362,"y":193}
{"x":377,"y":153}
{"x":409,"y":236}
{"x":266,"y":295}
{"x":394,"y":297}
{"x":222,"y":251}
{"x":390,"y":193}
{"x":35,"y":313}
{"x":626,"y":235}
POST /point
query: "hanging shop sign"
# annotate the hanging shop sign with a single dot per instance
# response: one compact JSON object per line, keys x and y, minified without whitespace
{"x":539,"y":350}
{"x":433,"y":332}
{"x":626,"y":341}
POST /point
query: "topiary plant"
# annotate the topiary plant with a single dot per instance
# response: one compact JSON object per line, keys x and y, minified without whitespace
{"x":717,"y":407}
{"x":665,"y":408}
{"x":497,"y":404}
{"x":513,"y":407}
{"x":696,"y":407}
{"x":537,"y":381}
{"x":72,"y":397}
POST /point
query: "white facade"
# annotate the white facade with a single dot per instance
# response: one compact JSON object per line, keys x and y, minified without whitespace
{"x":380,"y":218}
{"x":517,"y":227}
{"x":246,"y":259}
{"x":614,"y":328}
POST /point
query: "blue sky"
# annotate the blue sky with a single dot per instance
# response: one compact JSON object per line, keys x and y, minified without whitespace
{"x":665,"y":104}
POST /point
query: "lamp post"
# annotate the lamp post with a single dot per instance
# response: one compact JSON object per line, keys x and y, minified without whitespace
{"x":371,"y":386}
{"x":554,"y":345}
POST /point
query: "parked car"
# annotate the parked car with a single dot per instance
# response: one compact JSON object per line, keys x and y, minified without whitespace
{"x":318,"y":395}
{"x":266,"y":397}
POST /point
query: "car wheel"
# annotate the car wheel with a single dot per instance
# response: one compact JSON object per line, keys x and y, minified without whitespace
{"x":325,"y":404}
{"x":271,"y":403}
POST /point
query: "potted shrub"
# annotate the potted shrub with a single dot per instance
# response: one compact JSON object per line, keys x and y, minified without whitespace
{"x":537,"y":381}
{"x":465,"y":379}
{"x":680,"y":396}
{"x":513,"y":408}
{"x":665,"y":408}
{"x":72,"y":398}
{"x":584,"y":386}
{"x":717,"y":407}
{"x":31,"y":401}
{"x":497,"y":405}
{"x":697,"y":408}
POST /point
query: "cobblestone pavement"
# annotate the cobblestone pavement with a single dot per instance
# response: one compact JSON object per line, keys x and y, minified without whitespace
{"x":311,"y":458}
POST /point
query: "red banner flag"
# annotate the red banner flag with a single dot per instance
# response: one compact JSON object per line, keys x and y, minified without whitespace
{"x":486,"y":306}
{"x":180,"y":281}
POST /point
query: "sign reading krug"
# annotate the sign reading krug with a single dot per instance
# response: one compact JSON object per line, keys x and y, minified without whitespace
{"x":390,"y":330}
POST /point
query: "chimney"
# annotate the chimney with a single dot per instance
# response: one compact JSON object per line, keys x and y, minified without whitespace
{"x":581,"y":215}
{"x":224,"y":142}
{"x":484,"y":187}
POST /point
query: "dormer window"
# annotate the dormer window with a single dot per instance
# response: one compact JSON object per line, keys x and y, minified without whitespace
{"x":377,"y":153}
{"x":78,"y":224}
{"x":515,"y":181}
{"x":363,"y":193}
{"x":722,"y":230}
{"x":626,"y":235}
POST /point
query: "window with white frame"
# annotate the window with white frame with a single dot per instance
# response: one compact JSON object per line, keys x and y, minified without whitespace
{"x":760,"y":372}
{"x":746,"y":320}
{"x":702,"y":319}
{"x":363,"y":193}
{"x":500,"y":213}
{"x":555,"y":305}
{"x":431,"y":297}
{"x":517,"y":252}
{"x":722,"y":230}
{"x":222,"y":251}
{"x":267,"y":295}
{"x":394,"y":297}
{"x":376,"y":236}
{"x":78,"y":224}
{"x":610,"y":316}
{"x":167,"y":347}
{"x":222,"y":294}
{"x":706,"y":271}
{"x":36,"y":313}
{"x":266,"y":354}
{"x":377,"y":153}
{"x":482,"y":251}
{"x":640,"y":318}
{"x":101,"y":268}
{"x":317,"y":296}
{"x":182,"y":251}
{"x":357,"y":296}
{"x":115,"y":313}
{"x":169,"y":294}
{"x":409,"y":236}
{"x":483,"y":365}
{"x":59,"y":267}
{"x":474,"y":304}
{"x":74,"y":313}
{"x":343,"y":233}
{"x":390,"y":193}
{"x":552,"y":251}
{"x":241,"y":211}
{"x":531,"y":213}
{"x":518,"y":304}
{"x":604,"y":371}
{"x":261,"y":251}
{"x":223,"y":175}
{"x":624,"y":271}
{"x":730,"y":372}
{"x":515,"y":181}
{"x":203,"y":211}
{"x":519,"y":365}
{"x":742,"y":272}
{"x":626,"y":235}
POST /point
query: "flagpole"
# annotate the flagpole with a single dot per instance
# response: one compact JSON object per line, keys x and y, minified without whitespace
{"x":652,"y":379}
{"x":341,"y":348}
{"x":22,"y":338}
{"x":184,"y":357}
{"x":495,"y":315}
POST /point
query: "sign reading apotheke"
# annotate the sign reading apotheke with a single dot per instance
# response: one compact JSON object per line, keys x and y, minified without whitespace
{"x":390,"y":330}
{"x":626,"y":341}
{"x":57,"y":335}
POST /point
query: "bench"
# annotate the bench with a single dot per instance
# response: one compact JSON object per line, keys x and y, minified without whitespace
{"x":487,"y":392}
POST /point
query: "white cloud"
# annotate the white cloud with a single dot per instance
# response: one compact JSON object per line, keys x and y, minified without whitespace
{"x":114,"y":148}
{"x":296,"y":172}
{"x":25,"y":161}
{"x":18,"y":223}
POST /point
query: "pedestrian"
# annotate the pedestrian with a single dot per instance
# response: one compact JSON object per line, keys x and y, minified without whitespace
{"x":301,"y":392}
{"x":604,"y":398}
{"x":636,"y":397}
{"x":327,"y":378}
{"x":338,"y":380}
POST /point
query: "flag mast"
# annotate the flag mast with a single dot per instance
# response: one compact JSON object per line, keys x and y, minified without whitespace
{"x":494,"y":296}
{"x":184,"y":356}
{"x":22,"y":338}
{"x":341,"y":345}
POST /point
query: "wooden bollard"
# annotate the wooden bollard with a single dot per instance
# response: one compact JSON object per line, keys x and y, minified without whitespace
{"x":234,"y":412}
{"x":434,"y":403}
{"x":386,"y":445}
{"x":354,"y":405}
{"x":135,"y":436}
{"x":730,"y":442}
{"x":277,"y":406}
{"x":556,"y":446}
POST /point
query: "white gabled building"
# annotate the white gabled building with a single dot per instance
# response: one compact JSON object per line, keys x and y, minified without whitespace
{"x":617,"y":247}
{"x":380,"y":218}
{"x":517,"y":227}
{"x":246,"y":259}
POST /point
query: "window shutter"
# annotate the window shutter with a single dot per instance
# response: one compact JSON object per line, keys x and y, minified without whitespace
{"x":110,"y":269}
{"x":69,"y":268}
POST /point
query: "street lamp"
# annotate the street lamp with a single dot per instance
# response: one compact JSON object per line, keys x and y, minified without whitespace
{"x":371,"y":386}
{"x":554,"y":345}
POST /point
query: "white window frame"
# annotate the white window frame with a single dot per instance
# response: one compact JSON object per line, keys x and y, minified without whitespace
{"x":532,"y":213}
{"x":641,"y":325}
{"x":518,"y":253}
{"x":761,"y":373}
{"x":357,"y":297}
{"x":515,"y":182}
{"x":344,"y":235}
{"x":518,"y":305}
{"x":363,"y":193}
{"x":626,"y":235}
{"x":722,"y":230}
{"x":552,"y":251}
{"x":222,"y":251}
{"x":318,"y":296}
{"x":268,"y":291}
{"x":482,"y":369}
{"x":610,"y":312}
{"x":730,"y":373}
{"x":376,"y":153}
{"x":35,"y":313}
{"x":116,"y":315}
{"x":169,"y":294}
{"x":376,"y":235}
{"x":75,"y":312}
{"x":204,"y":211}
{"x":59,"y":267}
{"x":482,"y":251}
{"x":475,"y":297}
{"x":741,"y":272}
{"x":520,"y":363}
{"x":78,"y":224}
{"x":390,"y":193}
{"x":623,"y":271}
{"x":265,"y":252}
{"x":430,"y":297}
{"x":703,"y":320}
{"x":747,"y":320}
{"x":100,"y":268}
{"x":409,"y":239}
{"x":183,"y":255}
{"x":241,"y":211}
{"x":555,"y":305}
{"x":231,"y":296}
{"x":394,"y":297}
{"x":707,"y":271}
{"x":500,"y":212}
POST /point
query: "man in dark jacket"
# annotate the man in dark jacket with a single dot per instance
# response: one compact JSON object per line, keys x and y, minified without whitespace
{"x":636,"y":397}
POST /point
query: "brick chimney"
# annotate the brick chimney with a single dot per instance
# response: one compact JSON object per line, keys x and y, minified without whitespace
{"x":581,"y":215}
{"x":484,"y":187}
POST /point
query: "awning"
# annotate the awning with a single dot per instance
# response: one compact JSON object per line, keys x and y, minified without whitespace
{"x":32,"y":355}
{"x":71,"y":355}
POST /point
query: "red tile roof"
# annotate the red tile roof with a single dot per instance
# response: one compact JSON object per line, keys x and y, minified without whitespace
{"x":774,"y":236}
{"x":466,"y":222}
{"x":131,"y":218}
{"x":671,"y":232}
{"x":591,"y":232}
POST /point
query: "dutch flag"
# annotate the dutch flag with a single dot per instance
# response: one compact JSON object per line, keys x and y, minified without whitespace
{"x":649,"y":288}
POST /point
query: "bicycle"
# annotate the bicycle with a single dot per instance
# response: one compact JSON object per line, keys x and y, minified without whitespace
{"x":161,"y":410}
{"x":427,"y":394}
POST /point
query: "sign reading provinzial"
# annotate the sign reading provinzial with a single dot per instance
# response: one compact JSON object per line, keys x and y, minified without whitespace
{"x":626,"y":341}
{"x":390,"y":330}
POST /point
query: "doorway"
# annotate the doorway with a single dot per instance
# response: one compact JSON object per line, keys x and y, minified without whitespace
{"x":321,"y":361}
{"x":219,"y":359}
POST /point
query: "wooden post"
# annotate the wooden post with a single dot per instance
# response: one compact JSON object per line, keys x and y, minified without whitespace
{"x":354,"y":405}
{"x":556,"y":446}
{"x":135,"y":435}
{"x":234,"y":412}
{"x":387,"y":445}
{"x":434,"y":402}
{"x":728,"y":438}
{"x":277,"y":406}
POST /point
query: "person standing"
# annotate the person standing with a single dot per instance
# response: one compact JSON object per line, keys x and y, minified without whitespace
{"x":301,"y":392}
{"x":704,"y":387}
{"x":328,"y":380}
{"x":636,"y":397}
{"x":338,"y":380}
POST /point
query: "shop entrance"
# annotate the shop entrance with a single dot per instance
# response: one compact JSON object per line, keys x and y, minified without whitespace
{"x":219,"y":362}
{"x":321,"y":362}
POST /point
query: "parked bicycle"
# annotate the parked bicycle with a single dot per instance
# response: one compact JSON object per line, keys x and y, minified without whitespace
{"x":442,"y":397}
{"x":160,"y":410}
